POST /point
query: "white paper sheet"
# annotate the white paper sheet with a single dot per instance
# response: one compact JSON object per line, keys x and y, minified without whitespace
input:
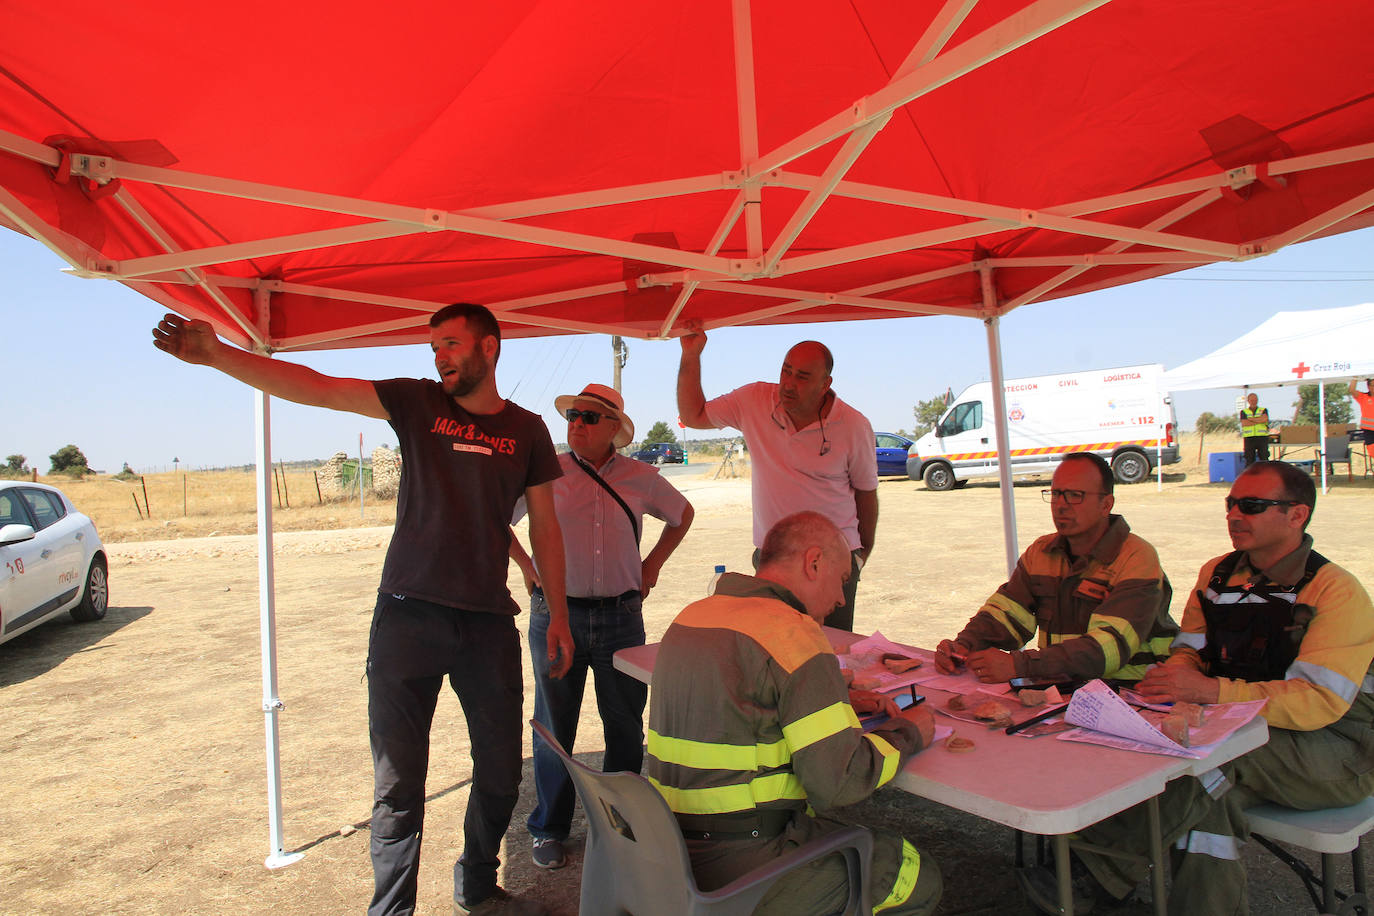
{"x":864,"y":658}
{"x":1104,"y":718}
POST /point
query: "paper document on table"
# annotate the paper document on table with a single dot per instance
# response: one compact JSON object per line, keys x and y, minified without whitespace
{"x":965,"y":682}
{"x":1106,"y":719}
{"x":865,"y":659}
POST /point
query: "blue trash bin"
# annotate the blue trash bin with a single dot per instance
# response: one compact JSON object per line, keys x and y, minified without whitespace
{"x":1224,"y":467}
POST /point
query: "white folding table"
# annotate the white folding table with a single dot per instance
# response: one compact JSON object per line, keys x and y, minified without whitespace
{"x":1036,"y":785}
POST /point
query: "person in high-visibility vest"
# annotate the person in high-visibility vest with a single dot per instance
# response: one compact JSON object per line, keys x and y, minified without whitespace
{"x":1366,"y":405}
{"x":1254,"y":427}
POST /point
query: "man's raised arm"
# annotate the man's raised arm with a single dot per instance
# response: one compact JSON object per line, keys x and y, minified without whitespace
{"x":194,"y":341}
{"x":691,"y":400}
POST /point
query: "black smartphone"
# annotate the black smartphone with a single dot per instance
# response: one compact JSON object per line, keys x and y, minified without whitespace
{"x":1018,"y":683}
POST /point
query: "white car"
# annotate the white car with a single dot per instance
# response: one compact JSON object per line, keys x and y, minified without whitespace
{"x":51,"y":559}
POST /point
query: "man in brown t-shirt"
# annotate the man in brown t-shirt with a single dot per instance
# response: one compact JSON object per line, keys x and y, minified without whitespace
{"x":443,"y":607}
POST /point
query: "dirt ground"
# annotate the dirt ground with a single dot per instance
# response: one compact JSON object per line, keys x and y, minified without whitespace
{"x":134,"y":746}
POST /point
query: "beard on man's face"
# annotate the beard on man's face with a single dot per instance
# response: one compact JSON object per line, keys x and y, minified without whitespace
{"x":472,"y":371}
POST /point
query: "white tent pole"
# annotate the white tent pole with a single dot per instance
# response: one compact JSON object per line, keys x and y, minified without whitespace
{"x":277,"y":857}
{"x":1321,"y":426}
{"x":999,"y":408}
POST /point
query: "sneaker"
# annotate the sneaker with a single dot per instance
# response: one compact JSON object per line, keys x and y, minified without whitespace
{"x":548,"y":852}
{"x":500,"y":903}
{"x":1040,"y":886}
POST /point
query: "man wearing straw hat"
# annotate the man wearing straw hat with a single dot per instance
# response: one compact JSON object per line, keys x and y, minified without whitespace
{"x":600,"y":501}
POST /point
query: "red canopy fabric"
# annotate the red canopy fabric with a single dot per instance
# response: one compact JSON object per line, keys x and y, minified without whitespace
{"x":325,"y":175}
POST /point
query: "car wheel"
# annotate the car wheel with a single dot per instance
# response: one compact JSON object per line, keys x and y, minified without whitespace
{"x":658,"y":459}
{"x":940,"y":477}
{"x":96,"y":600}
{"x":1130,"y":467}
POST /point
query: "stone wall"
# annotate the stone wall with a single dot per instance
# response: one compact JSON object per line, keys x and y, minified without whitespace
{"x":385,"y":475}
{"x":386,"y":472}
{"x":331,"y":477}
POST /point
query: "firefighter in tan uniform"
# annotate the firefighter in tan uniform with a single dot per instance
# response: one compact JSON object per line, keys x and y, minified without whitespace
{"x":751,"y":728}
{"x":1093,"y":591}
{"x":1273,"y":620}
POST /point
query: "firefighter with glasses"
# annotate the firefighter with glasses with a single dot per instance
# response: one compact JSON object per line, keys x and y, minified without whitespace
{"x":1273,"y":620}
{"x":1093,"y":592}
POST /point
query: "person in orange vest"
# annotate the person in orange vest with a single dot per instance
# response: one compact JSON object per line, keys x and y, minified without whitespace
{"x":1366,"y":404}
{"x":1254,"y":428}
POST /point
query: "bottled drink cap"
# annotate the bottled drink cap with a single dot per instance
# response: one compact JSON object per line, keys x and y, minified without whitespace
{"x":720,"y":569}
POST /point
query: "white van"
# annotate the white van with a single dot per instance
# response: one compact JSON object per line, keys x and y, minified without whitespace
{"x":1120,"y":414}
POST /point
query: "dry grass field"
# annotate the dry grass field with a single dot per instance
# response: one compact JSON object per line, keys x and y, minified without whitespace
{"x":135,"y":745}
{"x":213,"y":503}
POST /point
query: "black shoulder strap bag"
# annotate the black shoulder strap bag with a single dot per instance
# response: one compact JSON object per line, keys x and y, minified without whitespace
{"x":634,"y":524}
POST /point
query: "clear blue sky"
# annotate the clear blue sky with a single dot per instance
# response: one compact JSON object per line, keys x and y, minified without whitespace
{"x":80,"y":366}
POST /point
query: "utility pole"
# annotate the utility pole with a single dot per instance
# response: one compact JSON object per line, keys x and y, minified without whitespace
{"x":620,"y":355}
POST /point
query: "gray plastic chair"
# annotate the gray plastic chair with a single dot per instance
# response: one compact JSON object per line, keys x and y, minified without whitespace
{"x":636,"y":864}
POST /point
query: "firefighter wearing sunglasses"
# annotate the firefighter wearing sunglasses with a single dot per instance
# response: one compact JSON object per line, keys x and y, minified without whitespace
{"x":1273,"y":620}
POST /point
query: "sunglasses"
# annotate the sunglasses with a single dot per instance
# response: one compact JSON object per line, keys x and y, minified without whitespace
{"x":1254,"y":505}
{"x":589,"y":417}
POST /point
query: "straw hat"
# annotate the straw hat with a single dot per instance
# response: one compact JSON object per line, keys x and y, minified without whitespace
{"x":609,"y":397}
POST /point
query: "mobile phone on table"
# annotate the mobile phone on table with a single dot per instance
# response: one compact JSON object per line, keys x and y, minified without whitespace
{"x":909,"y":699}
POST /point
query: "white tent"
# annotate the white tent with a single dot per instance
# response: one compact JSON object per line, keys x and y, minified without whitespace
{"x":1292,"y":348}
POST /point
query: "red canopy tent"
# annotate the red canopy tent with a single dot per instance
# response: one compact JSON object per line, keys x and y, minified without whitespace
{"x":310,"y":175}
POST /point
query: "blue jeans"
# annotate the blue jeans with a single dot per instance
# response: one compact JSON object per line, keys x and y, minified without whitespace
{"x":597,"y":634}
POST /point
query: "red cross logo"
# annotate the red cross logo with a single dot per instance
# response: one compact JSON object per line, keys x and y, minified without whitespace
{"x":1301,"y":368}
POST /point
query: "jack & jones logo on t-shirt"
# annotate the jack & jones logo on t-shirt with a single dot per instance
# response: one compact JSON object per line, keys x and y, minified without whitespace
{"x":475,"y":439}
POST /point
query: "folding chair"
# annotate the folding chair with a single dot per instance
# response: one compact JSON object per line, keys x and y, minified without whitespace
{"x":1338,"y":452}
{"x":635,"y":862}
{"x":1331,"y":832}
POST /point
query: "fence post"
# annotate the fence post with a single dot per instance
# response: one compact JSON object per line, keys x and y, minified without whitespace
{"x":136,"y":506}
{"x":145,"y":496}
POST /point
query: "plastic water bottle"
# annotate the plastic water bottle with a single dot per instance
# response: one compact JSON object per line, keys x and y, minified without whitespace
{"x":720,"y":571}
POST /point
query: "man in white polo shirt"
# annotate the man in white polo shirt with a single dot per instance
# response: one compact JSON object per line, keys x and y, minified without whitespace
{"x":807,"y":448}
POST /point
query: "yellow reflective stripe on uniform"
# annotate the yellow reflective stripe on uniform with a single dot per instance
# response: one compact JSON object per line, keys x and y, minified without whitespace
{"x":1053,"y":639}
{"x":1111,"y":648}
{"x":906,"y":878}
{"x":1005,"y":611}
{"x":730,"y":799}
{"x":703,"y":755}
{"x":1159,"y":646}
{"x":819,"y":725}
{"x":891,"y":758}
